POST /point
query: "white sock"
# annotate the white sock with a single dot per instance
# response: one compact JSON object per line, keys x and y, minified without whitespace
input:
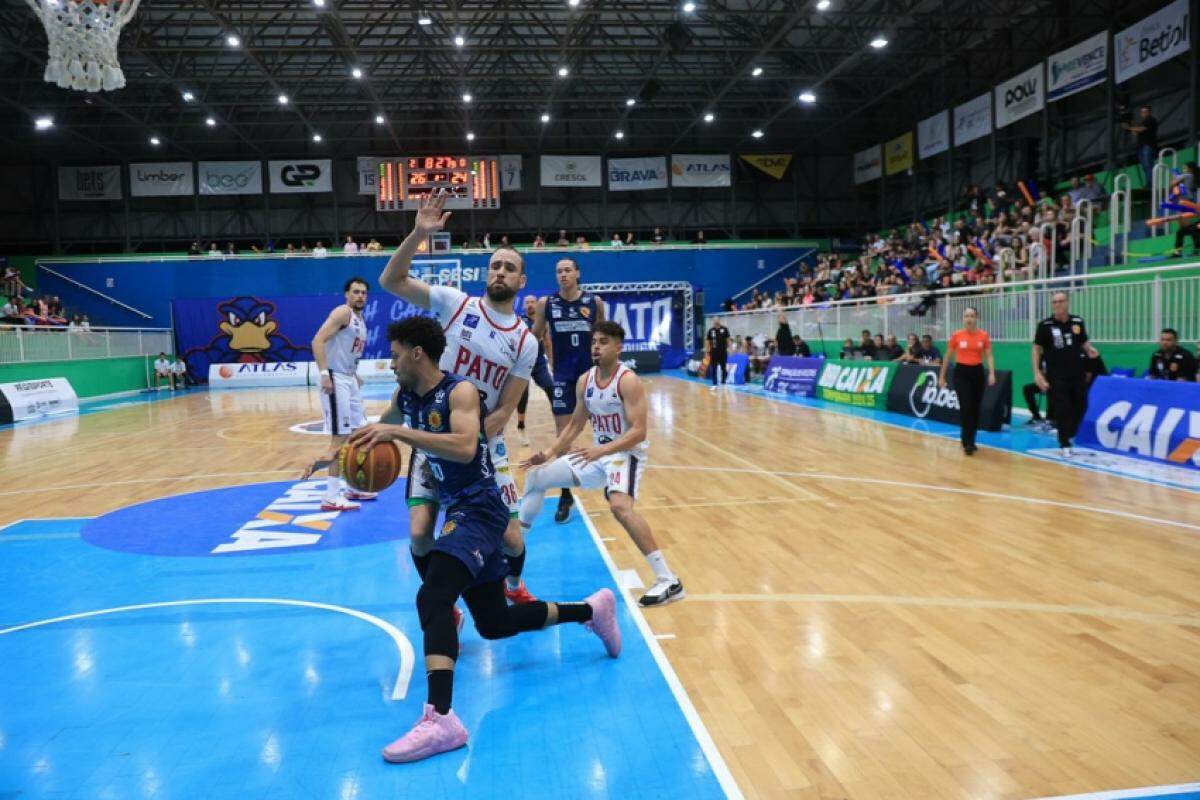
{"x":658,"y":563}
{"x":333,"y":488}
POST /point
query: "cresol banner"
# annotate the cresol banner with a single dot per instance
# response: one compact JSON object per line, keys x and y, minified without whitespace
{"x":1077,"y":68}
{"x":1157,"y":38}
{"x":230,"y":177}
{"x":933,"y":135}
{"x":700,"y":171}
{"x":1021,"y":96}
{"x":637,"y":174}
{"x":793,"y":375}
{"x":651,"y":320}
{"x":570,"y":170}
{"x":1155,"y":421}
{"x":162,"y":179}
{"x":973,"y":119}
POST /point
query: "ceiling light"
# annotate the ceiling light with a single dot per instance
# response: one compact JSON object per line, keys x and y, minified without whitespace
{"x":808,"y":97}
{"x":619,"y":134}
{"x":379,"y":119}
{"x":424,"y":19}
{"x":470,"y":136}
{"x":879,"y":42}
{"x":689,"y":8}
{"x":188,"y":97}
{"x":459,"y":41}
{"x":563,"y":72}
{"x":823,"y":5}
{"x":154,"y":140}
{"x":709,"y":117}
{"x":317,"y":138}
{"x":631,"y":101}
{"x":319,"y":3}
{"x":757,"y":134}
{"x":233,"y":40}
{"x":283,"y":99}
{"x":572,"y":3}
{"x":756,"y":71}
{"x":211,"y":122}
{"x":467,"y":97}
{"x":356,"y":73}
{"x":545,"y":118}
{"x":43,"y":123}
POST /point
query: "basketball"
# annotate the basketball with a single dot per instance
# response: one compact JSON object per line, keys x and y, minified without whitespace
{"x":370,"y":470}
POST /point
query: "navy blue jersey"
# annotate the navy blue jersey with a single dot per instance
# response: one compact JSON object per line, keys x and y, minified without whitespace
{"x":431,"y":413}
{"x":571,"y":333}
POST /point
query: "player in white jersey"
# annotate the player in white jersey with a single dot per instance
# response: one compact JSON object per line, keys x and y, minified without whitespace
{"x":337,"y":347}
{"x":487,"y":344}
{"x":613,"y":398}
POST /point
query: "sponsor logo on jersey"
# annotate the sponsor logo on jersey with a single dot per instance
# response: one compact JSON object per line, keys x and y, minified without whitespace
{"x":471,"y":321}
{"x":449,"y":527}
{"x":479,"y":369}
{"x":435,"y":420}
{"x":585,"y":312}
{"x":500,"y":450}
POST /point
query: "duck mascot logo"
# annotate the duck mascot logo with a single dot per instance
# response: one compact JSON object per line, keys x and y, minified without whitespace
{"x":248,"y":334}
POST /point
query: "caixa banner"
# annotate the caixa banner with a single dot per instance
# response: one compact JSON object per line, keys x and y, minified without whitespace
{"x":1155,"y":421}
{"x":915,"y":392}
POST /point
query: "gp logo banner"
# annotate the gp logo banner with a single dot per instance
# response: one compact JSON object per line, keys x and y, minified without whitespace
{"x":1152,"y":420}
{"x":294,"y":177}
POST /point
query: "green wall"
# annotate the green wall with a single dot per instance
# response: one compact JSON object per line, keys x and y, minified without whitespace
{"x":90,"y":378}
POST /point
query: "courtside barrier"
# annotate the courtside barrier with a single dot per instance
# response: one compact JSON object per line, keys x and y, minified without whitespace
{"x":33,"y":399}
{"x":793,"y":375}
{"x":915,"y":393}
{"x":856,"y":383}
{"x":1155,"y":421}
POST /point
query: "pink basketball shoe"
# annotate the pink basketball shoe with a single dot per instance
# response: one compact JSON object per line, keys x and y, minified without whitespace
{"x":433,"y":734}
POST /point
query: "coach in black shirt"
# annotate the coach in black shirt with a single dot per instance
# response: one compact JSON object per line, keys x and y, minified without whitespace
{"x":1171,"y":362}
{"x":1062,"y":340}
{"x":718,"y":350}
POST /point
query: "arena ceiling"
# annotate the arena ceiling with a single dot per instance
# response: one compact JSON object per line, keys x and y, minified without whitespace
{"x":746,"y":62}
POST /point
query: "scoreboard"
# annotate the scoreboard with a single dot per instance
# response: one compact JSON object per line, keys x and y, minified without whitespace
{"x":471,"y":181}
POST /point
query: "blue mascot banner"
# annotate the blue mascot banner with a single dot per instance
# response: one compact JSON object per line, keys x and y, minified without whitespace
{"x":1155,"y":421}
{"x":651,"y":319}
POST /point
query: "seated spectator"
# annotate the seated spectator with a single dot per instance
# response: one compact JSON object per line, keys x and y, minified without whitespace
{"x":630,"y":240}
{"x":1076,"y":192}
{"x":880,"y":348}
{"x":699,"y":238}
{"x":290,"y":250}
{"x":929,"y":353}
{"x":179,"y":373}
{"x":801,"y":347}
{"x":487,"y":241}
{"x":230,"y":250}
{"x":304,"y":247}
{"x":539,"y":242}
{"x":319,"y":251}
{"x":194,"y":249}
{"x":892,"y":351}
{"x":374,"y":246}
{"x":504,"y":240}
{"x":162,"y":371}
{"x":582,"y":243}
{"x":913,"y":345}
{"x":866,"y":347}
{"x":563,"y":241}
{"x":84,"y":323}
{"x":848,"y":350}
{"x":1170,"y":362}
{"x":616,"y":240}
{"x":350,"y":248}
{"x":214,"y":251}
{"x":659,"y":238}
{"x":12,"y":311}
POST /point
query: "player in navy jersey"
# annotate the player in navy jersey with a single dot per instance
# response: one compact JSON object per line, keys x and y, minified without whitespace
{"x":569,"y":317}
{"x":444,"y":421}
{"x":541,"y":371}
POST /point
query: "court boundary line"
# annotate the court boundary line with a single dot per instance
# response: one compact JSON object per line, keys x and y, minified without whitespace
{"x":709,"y":747}
{"x":1122,"y":794}
{"x":148,"y":480}
{"x":403,"y":645}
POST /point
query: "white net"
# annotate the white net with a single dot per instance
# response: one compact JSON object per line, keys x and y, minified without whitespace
{"x":83,"y":38}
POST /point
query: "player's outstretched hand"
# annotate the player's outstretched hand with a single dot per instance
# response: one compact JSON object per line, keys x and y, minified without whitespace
{"x":430,"y":214}
{"x":320,"y":463}
{"x":535,"y":460}
{"x":585,"y":455}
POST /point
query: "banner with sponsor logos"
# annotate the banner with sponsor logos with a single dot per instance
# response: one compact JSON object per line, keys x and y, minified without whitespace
{"x":794,"y":375}
{"x":1077,"y":68}
{"x":856,"y":383}
{"x":868,"y":164}
{"x":637,"y":174}
{"x":40,"y":397}
{"x":570,"y":170}
{"x":162,"y":179}
{"x":898,"y":154}
{"x":256,"y":374}
{"x":368,"y":174}
{"x":701,"y":171}
{"x":933,"y":135}
{"x":652,"y":320}
{"x":300,"y":176}
{"x":1157,"y":38}
{"x":510,"y":173}
{"x":89,"y":183}
{"x":773,"y":165}
{"x":973,"y":119}
{"x":230,"y":177}
{"x":1021,"y":96}
{"x":1155,"y":421}
{"x":915,"y":393}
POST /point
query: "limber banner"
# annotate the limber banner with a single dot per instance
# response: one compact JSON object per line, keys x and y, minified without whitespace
{"x":1155,"y":421}
{"x":915,"y":393}
{"x":856,"y":383}
{"x":793,"y":375}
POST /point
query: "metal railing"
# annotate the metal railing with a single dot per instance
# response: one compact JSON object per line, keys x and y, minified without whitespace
{"x":1049,"y":264}
{"x":1160,"y":184}
{"x":1120,"y":219}
{"x":1006,"y":262}
{"x":22,"y":343}
{"x":1115,"y":311}
{"x":1081,"y":236}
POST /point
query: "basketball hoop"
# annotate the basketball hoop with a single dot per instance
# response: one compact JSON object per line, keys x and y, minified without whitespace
{"x":83,"y":38}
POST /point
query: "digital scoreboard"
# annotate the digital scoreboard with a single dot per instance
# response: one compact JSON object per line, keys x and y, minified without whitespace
{"x":471,"y":181}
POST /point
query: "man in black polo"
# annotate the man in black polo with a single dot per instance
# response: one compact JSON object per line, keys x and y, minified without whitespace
{"x":718,"y":351}
{"x":1061,"y":339}
{"x":1171,"y":362}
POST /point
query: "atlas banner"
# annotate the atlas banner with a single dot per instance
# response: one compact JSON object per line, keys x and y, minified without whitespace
{"x":915,"y":393}
{"x":299,"y":176}
{"x":933,"y":135}
{"x":973,"y":119}
{"x":1021,"y":96}
{"x":642,"y":361}
{"x":230,"y":177}
{"x":1077,"y":68}
{"x":863,"y":384}
{"x":571,"y":171}
{"x":271,"y":329}
{"x":89,"y":183}
{"x":898,"y":154}
{"x":162,"y":179}
{"x":700,"y":171}
{"x":1155,"y":421}
{"x":868,"y":164}
{"x":510,"y":173}
{"x":376,"y":370}
{"x":637,"y":174}
{"x":653,"y":320}
{"x":1157,"y":38}
{"x":793,"y":375}
{"x":261,"y":374}
{"x":368,"y":174}
{"x":37,"y":398}
{"x":773,"y":165}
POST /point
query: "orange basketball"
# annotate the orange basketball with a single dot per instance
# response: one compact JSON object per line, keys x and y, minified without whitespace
{"x":371,"y":470}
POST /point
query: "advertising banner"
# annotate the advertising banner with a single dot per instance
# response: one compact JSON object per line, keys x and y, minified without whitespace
{"x":1157,"y":38}
{"x":700,"y":171}
{"x":773,"y":165}
{"x":652,"y":321}
{"x":642,"y":361}
{"x":914,"y":392}
{"x":898,"y":154}
{"x":230,"y":177}
{"x":163,"y":179}
{"x":301,"y":176}
{"x":571,"y":170}
{"x":856,"y":383}
{"x":89,"y":183}
{"x":40,"y":397}
{"x":368,"y":174}
{"x":868,"y":164}
{"x":1077,"y":68}
{"x":1155,"y":421}
{"x":933,"y":135}
{"x":510,"y":173}
{"x":1021,"y":96}
{"x":973,"y":119}
{"x":637,"y":174}
{"x":793,"y":375}
{"x":252,"y":374}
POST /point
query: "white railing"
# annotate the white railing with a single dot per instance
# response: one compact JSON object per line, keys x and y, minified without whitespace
{"x":1049,"y":263}
{"x":1081,"y":236}
{"x":1160,"y":184}
{"x":1125,"y":311}
{"x":1006,"y":262}
{"x":22,"y":343}
{"x":1120,"y":220}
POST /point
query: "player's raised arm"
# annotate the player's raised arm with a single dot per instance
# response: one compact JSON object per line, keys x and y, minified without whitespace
{"x":395,"y":278}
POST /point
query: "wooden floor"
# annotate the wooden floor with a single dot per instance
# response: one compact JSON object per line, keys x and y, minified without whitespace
{"x":870,"y":615}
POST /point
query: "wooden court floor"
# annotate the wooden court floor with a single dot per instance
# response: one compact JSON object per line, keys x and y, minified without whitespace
{"x":870,"y":614}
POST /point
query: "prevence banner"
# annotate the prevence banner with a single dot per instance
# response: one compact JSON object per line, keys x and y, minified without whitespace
{"x":1077,"y":68}
{"x":863,"y":384}
{"x":793,"y":375}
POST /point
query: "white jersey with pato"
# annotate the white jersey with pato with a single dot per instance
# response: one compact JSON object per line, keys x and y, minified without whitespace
{"x":343,"y":407}
{"x":345,"y":348}
{"x":619,"y":472}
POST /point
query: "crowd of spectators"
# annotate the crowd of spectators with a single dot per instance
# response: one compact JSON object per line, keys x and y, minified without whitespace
{"x":40,"y":310}
{"x":350,"y":247}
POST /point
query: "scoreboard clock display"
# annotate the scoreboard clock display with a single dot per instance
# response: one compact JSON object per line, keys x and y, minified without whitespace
{"x":471,"y":181}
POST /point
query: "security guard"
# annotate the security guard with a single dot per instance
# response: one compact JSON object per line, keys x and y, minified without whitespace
{"x":1062,"y":340}
{"x":1171,"y":362}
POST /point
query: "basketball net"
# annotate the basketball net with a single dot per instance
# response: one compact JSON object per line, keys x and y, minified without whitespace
{"x":83,"y":38}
